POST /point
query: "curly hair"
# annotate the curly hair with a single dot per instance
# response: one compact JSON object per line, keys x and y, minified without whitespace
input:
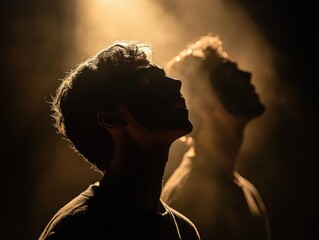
{"x":199,"y":57}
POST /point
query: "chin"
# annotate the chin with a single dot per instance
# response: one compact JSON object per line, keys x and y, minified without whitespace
{"x":185,"y":129}
{"x":180,"y":129}
{"x":178,"y":133}
{"x":252,"y":111}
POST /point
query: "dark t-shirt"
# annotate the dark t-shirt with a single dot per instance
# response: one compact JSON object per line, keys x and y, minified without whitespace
{"x":96,"y":215}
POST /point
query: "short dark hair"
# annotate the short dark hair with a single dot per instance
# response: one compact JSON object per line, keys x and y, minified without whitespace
{"x":91,"y":87}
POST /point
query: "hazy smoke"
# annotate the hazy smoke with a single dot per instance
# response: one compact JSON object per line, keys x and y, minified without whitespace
{"x":169,"y":26}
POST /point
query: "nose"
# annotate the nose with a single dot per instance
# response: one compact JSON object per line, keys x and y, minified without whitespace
{"x":175,"y":82}
{"x":244,"y":75}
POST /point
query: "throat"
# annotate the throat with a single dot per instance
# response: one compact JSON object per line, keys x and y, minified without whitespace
{"x":140,"y":188}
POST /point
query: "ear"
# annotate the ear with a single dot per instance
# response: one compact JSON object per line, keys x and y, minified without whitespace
{"x":109,"y":120}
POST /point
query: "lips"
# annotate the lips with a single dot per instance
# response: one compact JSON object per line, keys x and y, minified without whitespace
{"x":180,"y":103}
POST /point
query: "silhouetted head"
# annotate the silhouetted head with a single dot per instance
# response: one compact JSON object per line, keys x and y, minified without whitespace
{"x":234,"y":89}
{"x":206,"y":71}
{"x":120,"y":74}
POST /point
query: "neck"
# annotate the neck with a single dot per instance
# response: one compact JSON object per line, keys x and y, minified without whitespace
{"x":218,"y":144}
{"x":135,"y":175}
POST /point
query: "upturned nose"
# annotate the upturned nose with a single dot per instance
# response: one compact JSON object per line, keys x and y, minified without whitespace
{"x":245,"y":75}
{"x":176,"y":83}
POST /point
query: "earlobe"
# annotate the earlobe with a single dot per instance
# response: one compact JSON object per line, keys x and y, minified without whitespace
{"x":109,"y":120}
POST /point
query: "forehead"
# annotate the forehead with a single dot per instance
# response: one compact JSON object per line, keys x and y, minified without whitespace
{"x":150,"y":70}
{"x":143,"y":66}
{"x":227,"y":66}
{"x":140,"y":74}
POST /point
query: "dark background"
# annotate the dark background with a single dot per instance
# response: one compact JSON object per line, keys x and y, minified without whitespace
{"x":33,"y":58}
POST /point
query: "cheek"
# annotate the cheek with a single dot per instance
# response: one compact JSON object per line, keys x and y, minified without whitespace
{"x":145,"y":107}
{"x":145,"y":102}
{"x":152,"y":98}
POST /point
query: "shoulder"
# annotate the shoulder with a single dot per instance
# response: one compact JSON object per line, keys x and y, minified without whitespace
{"x":177,"y":180}
{"x":68,"y":220}
{"x":186,"y":227}
{"x":254,"y":199}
